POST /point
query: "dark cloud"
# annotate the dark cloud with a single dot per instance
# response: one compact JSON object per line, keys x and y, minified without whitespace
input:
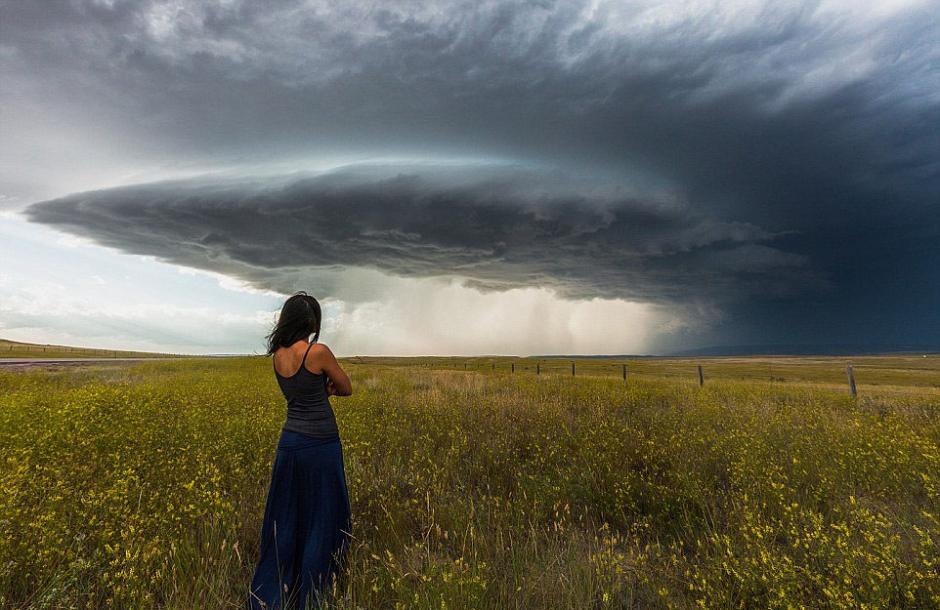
{"x":763,"y":104}
{"x":799,"y":139}
{"x":498,"y":228}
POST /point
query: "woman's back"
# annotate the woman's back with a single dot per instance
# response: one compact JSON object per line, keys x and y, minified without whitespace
{"x":308,"y":405}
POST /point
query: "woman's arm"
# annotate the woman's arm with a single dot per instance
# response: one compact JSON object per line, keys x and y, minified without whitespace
{"x":324,"y":359}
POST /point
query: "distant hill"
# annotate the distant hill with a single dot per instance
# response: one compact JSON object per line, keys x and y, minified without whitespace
{"x":19,"y":349}
{"x":593,"y":356}
{"x":806,"y":350}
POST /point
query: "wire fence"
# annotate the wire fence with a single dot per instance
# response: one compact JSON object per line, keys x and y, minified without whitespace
{"x":912,"y":371}
{"x":13,"y":350}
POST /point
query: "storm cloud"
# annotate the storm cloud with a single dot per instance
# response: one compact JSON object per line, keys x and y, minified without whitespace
{"x":498,"y":229}
{"x":777,"y":160}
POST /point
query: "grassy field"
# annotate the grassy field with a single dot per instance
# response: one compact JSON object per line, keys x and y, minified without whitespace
{"x":770,"y":487}
{"x":18,"y":349}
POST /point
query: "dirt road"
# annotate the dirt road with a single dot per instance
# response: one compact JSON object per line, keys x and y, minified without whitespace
{"x":30,"y":363}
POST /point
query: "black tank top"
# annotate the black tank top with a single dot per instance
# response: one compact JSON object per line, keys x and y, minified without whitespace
{"x":308,"y":406}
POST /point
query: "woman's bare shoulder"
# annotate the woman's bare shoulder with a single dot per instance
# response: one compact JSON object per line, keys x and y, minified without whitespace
{"x":318,"y":356}
{"x":320,"y":350}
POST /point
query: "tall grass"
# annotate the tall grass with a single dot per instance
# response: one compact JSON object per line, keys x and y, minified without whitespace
{"x":144,"y":487}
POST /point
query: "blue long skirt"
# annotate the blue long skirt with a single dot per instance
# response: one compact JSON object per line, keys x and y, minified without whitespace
{"x":306,"y":528}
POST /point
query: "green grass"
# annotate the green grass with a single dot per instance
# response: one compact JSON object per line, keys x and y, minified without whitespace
{"x":144,"y":485}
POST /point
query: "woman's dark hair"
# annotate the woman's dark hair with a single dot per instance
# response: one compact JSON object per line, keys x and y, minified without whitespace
{"x":299,"y":318}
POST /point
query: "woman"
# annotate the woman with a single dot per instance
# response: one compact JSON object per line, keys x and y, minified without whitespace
{"x":306,"y":525}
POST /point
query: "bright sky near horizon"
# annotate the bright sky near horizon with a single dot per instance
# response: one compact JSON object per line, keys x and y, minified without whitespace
{"x":471,"y":177}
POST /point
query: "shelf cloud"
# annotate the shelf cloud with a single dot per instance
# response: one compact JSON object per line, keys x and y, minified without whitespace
{"x":497,"y":229}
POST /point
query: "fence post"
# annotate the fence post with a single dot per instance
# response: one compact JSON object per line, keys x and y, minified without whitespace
{"x":701,"y":376}
{"x":572,"y":369}
{"x":513,"y":365}
{"x":538,"y":368}
{"x":494,"y":366}
{"x":851,"y":376}
{"x":624,"y":372}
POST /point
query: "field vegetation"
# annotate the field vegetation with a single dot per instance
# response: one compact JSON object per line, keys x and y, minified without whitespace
{"x":143,"y":485}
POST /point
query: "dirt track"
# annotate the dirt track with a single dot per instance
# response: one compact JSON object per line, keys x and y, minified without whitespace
{"x":31,"y":363}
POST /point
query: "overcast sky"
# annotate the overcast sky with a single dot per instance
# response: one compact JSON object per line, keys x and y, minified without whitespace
{"x":471,"y":177}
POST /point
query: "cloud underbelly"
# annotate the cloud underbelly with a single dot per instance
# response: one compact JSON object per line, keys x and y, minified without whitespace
{"x":495,"y":228}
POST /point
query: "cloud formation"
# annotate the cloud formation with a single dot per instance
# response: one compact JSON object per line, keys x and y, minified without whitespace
{"x":778,"y":160}
{"x":496,"y":228}
{"x":756,"y":104}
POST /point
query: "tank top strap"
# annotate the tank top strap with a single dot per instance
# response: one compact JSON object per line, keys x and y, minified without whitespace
{"x":303,"y":361}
